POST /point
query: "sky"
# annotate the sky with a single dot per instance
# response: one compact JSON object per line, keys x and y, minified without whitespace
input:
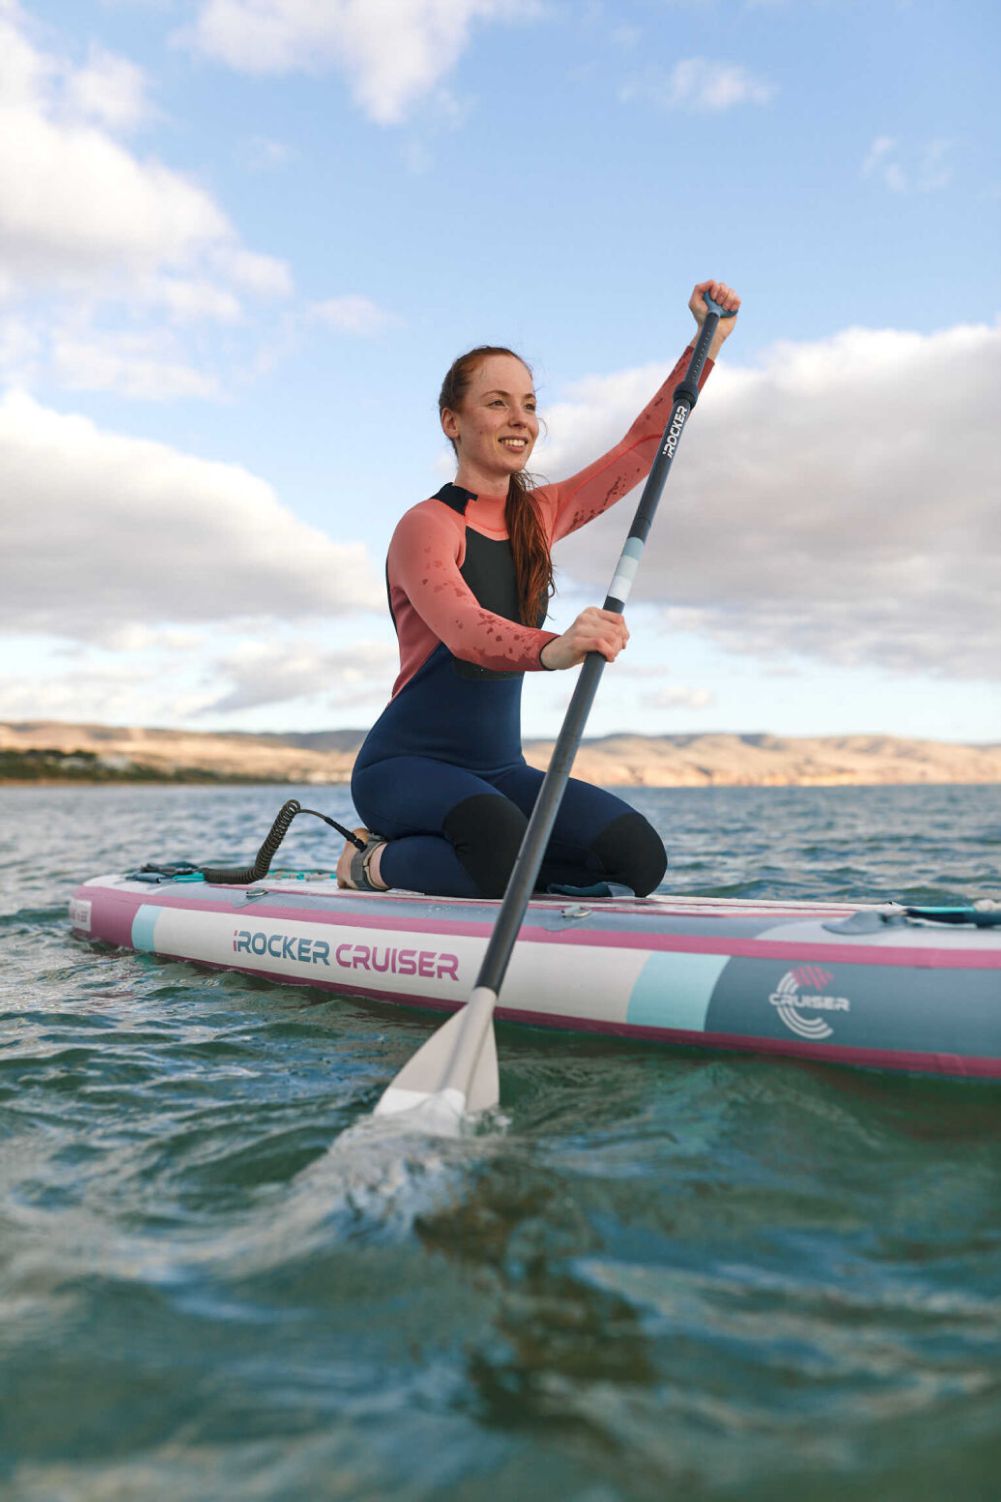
{"x":242,"y":240}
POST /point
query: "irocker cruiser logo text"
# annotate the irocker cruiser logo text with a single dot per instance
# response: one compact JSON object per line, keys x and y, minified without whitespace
{"x":282,"y":946}
{"x":386,"y":959}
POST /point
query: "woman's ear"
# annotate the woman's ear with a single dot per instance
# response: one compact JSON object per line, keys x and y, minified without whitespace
{"x":450,"y":425}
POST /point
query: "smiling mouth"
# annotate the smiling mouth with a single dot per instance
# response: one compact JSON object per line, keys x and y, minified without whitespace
{"x":515,"y":443}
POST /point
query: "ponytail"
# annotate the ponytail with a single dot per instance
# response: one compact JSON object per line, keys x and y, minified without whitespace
{"x":533,"y":566}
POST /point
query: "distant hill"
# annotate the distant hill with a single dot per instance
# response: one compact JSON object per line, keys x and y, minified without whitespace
{"x":53,"y":751}
{"x":306,"y":740}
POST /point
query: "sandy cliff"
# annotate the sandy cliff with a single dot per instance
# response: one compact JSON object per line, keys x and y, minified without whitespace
{"x":48,"y":750}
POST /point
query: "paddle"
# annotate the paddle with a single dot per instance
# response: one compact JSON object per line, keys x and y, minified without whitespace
{"x":456,"y":1069}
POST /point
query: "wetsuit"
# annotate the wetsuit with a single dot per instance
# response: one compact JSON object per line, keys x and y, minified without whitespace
{"x":441,"y":773}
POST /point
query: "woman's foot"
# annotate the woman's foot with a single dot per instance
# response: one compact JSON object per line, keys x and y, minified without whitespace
{"x":347,"y":854}
{"x":358,"y":870}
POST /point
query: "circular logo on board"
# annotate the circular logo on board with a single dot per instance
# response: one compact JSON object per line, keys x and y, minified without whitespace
{"x":804,"y":990}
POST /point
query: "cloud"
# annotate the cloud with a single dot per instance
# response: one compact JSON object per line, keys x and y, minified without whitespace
{"x":20,"y":349}
{"x":679,"y":697}
{"x":263,"y":275}
{"x":171,"y":676}
{"x":109,"y":91}
{"x":838,"y":503}
{"x":878,"y":155}
{"x":76,"y":208}
{"x":923,"y":169}
{"x":92,"y":235}
{"x":275,"y":673}
{"x":190,"y":299}
{"x":73,"y":201}
{"x":81,"y":212}
{"x":99,"y":532}
{"x":130,"y":691}
{"x":262,"y":154}
{"x":353,"y":315}
{"x":702,"y":86}
{"x":137,"y":637}
{"x":391,"y":54}
{"x":133,"y":364}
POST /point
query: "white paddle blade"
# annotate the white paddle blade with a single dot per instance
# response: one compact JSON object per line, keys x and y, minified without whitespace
{"x":457,"y":1064}
{"x":484,"y":1087}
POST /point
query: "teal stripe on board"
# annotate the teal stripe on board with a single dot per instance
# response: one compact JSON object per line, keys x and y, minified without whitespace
{"x":674,"y":990}
{"x":144,"y":927}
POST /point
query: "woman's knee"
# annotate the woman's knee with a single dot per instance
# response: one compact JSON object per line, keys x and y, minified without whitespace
{"x":632,"y":852}
{"x":486,"y":832}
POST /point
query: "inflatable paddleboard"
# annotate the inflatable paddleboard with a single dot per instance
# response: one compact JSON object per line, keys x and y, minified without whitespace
{"x":878,"y":986}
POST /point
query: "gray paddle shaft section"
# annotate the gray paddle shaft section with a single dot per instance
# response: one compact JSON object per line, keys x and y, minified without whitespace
{"x":523,"y":877}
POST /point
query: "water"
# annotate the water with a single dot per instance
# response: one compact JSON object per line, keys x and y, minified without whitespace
{"x":661,"y":1275}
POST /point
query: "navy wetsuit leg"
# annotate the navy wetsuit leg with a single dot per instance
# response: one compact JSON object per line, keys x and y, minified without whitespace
{"x":451,"y":832}
{"x":596,"y":837}
{"x":456,"y":834}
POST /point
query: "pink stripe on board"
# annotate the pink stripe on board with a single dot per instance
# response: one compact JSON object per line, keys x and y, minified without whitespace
{"x":781,"y":949}
{"x":111,"y":914}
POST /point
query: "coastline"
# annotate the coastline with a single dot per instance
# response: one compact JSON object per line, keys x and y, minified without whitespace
{"x":54,"y":753}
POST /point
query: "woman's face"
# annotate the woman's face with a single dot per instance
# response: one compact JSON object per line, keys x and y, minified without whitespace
{"x":496,"y":425}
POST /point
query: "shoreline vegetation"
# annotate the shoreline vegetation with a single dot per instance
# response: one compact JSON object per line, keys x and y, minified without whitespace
{"x":43,"y":752}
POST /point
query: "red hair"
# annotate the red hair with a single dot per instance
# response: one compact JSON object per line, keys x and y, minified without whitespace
{"x":533,"y":566}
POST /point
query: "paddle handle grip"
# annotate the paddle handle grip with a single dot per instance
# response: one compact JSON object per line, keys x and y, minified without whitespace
{"x":717,"y":307}
{"x":687,"y":389}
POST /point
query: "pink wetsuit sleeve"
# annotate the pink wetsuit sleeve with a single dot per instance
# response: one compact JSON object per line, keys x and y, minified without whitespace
{"x":424,"y":559}
{"x":574,"y":502}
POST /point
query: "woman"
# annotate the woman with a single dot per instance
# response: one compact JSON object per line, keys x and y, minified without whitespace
{"x":441,"y":775}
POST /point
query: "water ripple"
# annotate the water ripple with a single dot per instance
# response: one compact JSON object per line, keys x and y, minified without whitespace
{"x":657,"y":1275}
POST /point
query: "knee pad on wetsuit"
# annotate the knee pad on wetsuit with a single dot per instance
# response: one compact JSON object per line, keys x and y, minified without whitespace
{"x":486,"y":831}
{"x":632,"y":852}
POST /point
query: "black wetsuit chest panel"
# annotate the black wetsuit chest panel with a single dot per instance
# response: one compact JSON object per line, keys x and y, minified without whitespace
{"x":488,"y":569}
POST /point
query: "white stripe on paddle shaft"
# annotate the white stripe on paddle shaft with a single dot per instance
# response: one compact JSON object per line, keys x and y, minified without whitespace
{"x":625,"y":572}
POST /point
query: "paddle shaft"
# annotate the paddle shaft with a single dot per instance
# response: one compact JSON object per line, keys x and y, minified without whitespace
{"x":525,"y":872}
